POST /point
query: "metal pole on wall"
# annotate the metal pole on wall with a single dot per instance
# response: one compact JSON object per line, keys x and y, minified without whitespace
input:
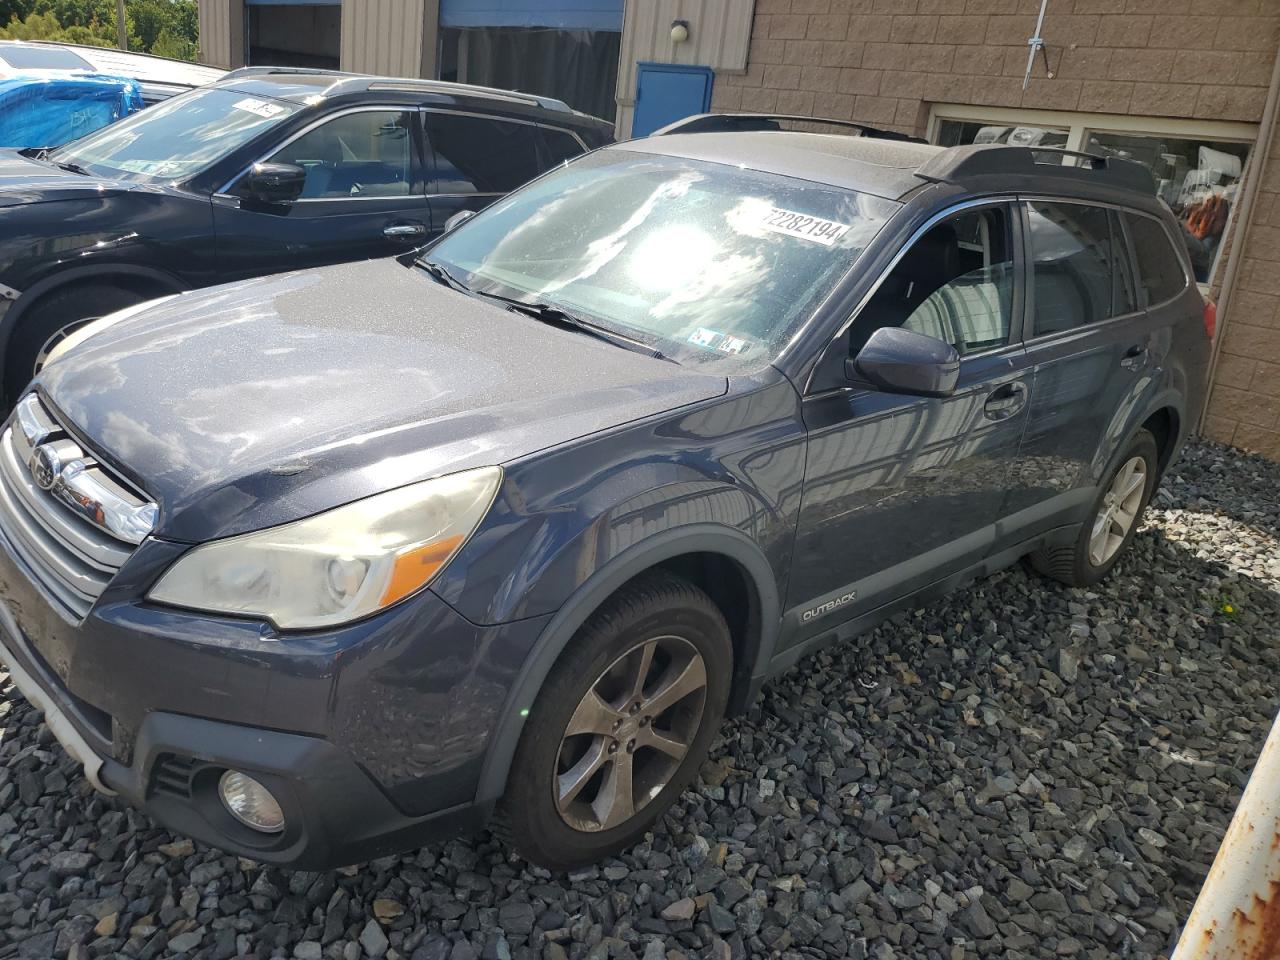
{"x":122,"y":27}
{"x":1237,"y":915}
{"x":1239,"y":225}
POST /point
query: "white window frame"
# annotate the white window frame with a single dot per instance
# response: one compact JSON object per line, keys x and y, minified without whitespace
{"x":1079,"y":125}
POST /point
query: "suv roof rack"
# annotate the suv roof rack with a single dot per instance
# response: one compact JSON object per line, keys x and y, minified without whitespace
{"x":1003,"y":160}
{"x":736,"y":122}
{"x":405,"y":83}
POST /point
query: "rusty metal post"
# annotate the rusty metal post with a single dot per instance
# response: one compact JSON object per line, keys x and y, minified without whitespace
{"x":1237,"y":915}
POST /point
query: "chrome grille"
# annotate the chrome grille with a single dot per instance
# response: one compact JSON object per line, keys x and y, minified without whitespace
{"x":71,"y":522}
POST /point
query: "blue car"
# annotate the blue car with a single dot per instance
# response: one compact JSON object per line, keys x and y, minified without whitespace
{"x":41,"y":111}
{"x":315,"y":567}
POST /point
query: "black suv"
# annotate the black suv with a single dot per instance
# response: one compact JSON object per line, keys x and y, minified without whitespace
{"x":267,"y":170}
{"x":317,"y":566}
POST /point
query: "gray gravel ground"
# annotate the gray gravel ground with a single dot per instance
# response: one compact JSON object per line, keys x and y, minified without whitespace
{"x":1024,"y":771}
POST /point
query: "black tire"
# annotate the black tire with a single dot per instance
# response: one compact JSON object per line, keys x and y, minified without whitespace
{"x":50,"y":315}
{"x":654,"y":605}
{"x":1071,"y":563}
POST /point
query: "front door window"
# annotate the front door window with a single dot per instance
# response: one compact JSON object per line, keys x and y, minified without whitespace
{"x":955,"y":284}
{"x":363,"y":154}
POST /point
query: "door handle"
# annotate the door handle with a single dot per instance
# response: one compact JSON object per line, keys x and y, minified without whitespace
{"x":1005,"y":401}
{"x":1134,"y":357}
{"x":404,"y":231}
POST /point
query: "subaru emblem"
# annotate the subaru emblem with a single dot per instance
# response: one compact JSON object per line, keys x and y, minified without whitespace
{"x":45,"y":466}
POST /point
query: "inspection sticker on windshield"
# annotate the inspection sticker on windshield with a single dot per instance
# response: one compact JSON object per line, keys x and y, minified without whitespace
{"x":815,"y":229}
{"x":722,"y":342}
{"x":260,"y":107}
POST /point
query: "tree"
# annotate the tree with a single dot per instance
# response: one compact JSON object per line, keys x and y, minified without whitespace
{"x":45,"y":26}
{"x":168,"y":28}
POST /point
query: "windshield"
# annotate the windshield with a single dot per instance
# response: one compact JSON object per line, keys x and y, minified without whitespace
{"x":177,"y":138}
{"x":709,"y":263}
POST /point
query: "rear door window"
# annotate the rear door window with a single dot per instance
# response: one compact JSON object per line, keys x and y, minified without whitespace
{"x":1125,"y":284}
{"x":480,"y":154}
{"x":1075,"y":262}
{"x":1160,"y":271}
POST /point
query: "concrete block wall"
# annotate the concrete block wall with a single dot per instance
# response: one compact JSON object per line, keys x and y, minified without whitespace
{"x":885,"y":62}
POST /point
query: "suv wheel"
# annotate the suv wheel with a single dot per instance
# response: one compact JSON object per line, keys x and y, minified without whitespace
{"x":621,"y":725}
{"x":50,"y":321}
{"x":1113,"y":521}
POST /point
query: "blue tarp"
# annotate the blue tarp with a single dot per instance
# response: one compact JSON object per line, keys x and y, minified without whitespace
{"x":41,"y":111}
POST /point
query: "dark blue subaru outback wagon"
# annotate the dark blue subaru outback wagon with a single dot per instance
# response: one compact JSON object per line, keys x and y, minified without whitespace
{"x":316,"y":567}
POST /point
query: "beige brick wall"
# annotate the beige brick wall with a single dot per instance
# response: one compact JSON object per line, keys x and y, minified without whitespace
{"x":885,"y":61}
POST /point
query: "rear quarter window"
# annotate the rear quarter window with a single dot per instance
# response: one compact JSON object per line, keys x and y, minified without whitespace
{"x":558,"y":146}
{"x":1160,"y":272}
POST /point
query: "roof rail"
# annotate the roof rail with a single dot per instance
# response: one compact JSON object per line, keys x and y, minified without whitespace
{"x":1003,"y":160}
{"x":730,"y":122}
{"x":268,"y":71}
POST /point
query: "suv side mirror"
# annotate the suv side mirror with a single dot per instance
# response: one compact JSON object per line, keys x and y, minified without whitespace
{"x":275,"y":182}
{"x":458,"y":219}
{"x":903,"y":361}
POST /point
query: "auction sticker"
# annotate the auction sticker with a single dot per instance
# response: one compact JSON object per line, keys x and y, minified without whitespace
{"x":260,"y":107}
{"x":803,"y":226}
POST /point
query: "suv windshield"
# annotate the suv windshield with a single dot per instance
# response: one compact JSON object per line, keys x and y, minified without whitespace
{"x":709,"y":263}
{"x":177,"y":138}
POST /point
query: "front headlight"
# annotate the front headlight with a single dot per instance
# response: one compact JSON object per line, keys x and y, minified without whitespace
{"x":337,"y":566}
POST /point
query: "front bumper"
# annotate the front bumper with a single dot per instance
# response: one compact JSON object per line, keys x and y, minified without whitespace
{"x":371,"y":737}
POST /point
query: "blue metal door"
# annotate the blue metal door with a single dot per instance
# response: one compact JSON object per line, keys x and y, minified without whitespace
{"x":667,"y":92}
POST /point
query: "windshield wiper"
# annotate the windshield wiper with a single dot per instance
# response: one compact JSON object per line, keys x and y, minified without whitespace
{"x":70,"y":167}
{"x":547,"y":313}
{"x":442,"y":275}
{"x":559,"y":317}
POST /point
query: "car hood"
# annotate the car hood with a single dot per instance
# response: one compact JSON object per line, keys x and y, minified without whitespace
{"x":251,"y":404}
{"x":23,"y":180}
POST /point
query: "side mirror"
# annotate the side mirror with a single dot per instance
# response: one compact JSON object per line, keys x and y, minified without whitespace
{"x":458,"y":219}
{"x":275,"y":182}
{"x":903,"y":361}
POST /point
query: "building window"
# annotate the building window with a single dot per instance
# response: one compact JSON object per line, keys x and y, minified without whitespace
{"x":954,"y":133}
{"x":1197,"y":165}
{"x":293,"y":34}
{"x":567,"y":49}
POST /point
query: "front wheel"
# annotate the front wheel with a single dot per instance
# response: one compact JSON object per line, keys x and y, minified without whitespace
{"x":621,"y":725}
{"x":1113,"y":520}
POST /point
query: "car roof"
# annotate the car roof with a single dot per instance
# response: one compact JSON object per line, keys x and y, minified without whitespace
{"x":302,"y":85}
{"x":159,"y":76}
{"x":885,"y":168}
{"x":892,"y":169}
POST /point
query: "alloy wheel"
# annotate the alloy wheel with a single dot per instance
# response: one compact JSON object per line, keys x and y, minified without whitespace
{"x":1119,"y":511}
{"x":629,"y":733}
{"x":42,"y":356}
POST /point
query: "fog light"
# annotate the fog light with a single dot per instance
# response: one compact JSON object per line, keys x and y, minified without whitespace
{"x":250,"y":802}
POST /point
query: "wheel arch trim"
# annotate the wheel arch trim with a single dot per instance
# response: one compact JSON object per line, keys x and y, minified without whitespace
{"x":649,"y":553}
